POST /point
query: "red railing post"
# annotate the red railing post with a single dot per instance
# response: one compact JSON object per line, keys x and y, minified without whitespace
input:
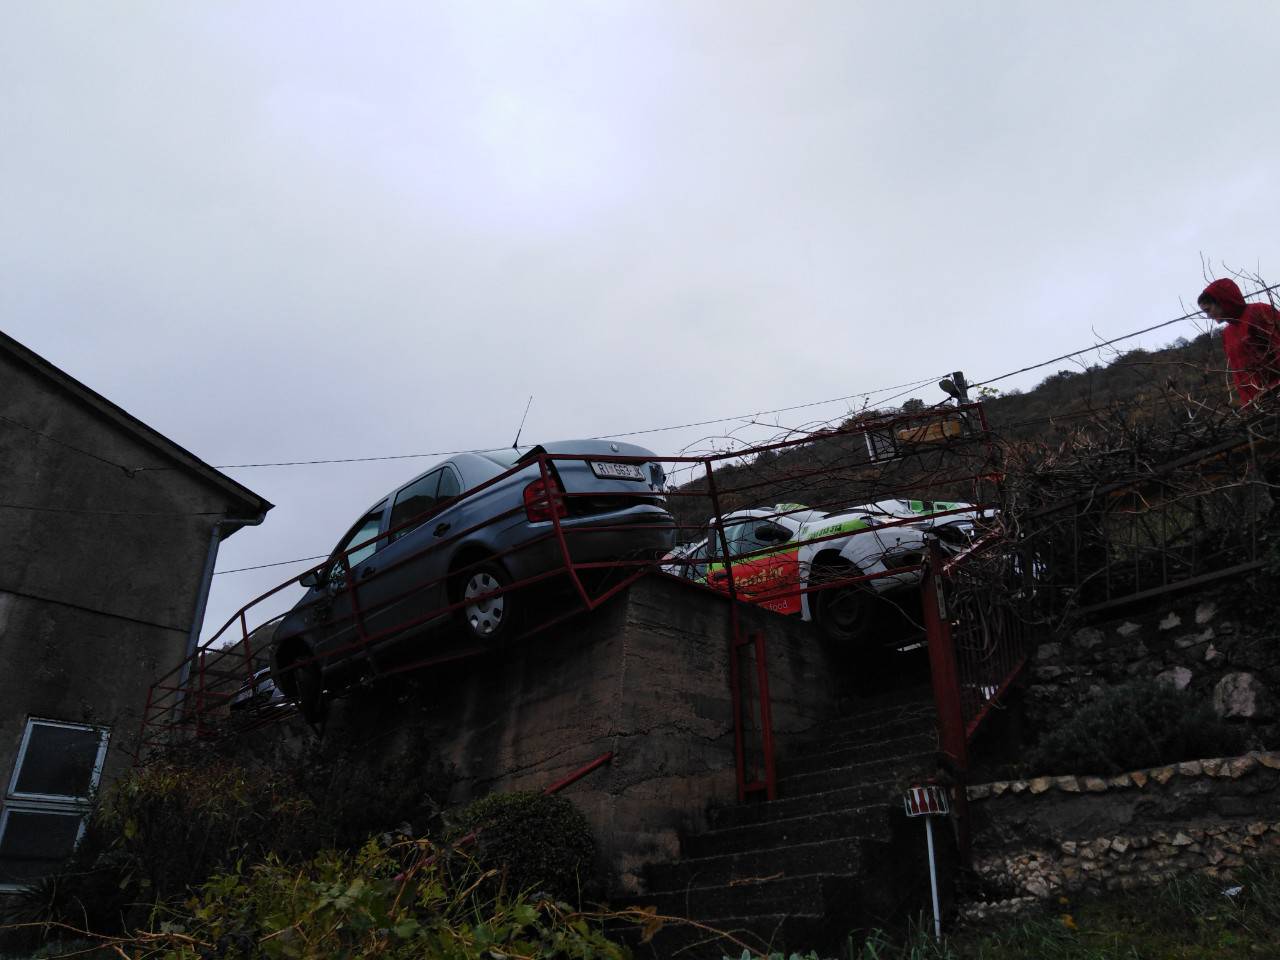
{"x":248,"y":653}
{"x":735,"y":672}
{"x":200,"y":700}
{"x":945,"y":676}
{"x":943,"y":669}
{"x":552,"y":493}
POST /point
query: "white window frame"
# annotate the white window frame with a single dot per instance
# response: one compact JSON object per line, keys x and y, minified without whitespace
{"x":51,"y":803}
{"x":104,"y":735}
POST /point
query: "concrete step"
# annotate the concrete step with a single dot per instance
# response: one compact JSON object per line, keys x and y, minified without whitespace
{"x":766,"y":895}
{"x":907,"y":766}
{"x":833,"y":735}
{"x":922,"y":711}
{"x":870,"y":821}
{"x":842,"y":798}
{"x":839,"y":755}
{"x":828,"y":855}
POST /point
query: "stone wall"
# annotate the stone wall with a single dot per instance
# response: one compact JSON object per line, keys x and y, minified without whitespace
{"x":1050,"y":835}
{"x":646,"y":676}
{"x":1220,"y":643}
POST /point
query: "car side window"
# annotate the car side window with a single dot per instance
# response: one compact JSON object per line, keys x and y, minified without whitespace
{"x":417,"y":498}
{"x":740,"y":539}
{"x":697,"y":566}
{"x":450,"y":487}
{"x":366,"y":529}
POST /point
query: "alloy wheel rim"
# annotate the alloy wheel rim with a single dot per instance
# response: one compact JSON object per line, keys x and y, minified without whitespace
{"x":484,"y":616}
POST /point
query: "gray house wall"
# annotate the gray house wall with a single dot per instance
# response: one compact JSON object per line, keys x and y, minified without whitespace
{"x":100,"y":567}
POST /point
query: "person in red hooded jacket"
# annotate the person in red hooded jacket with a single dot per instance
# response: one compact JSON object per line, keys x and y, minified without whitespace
{"x":1251,"y":337}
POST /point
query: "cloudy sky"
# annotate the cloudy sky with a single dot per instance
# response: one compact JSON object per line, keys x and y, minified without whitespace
{"x":281,"y":231}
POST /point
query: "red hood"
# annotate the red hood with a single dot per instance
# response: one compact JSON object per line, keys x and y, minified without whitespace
{"x":1228,"y":294}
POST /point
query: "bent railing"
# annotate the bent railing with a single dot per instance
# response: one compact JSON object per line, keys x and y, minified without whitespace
{"x":229,"y":684}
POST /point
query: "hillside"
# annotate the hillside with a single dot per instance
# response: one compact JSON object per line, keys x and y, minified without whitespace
{"x":1167,"y":397}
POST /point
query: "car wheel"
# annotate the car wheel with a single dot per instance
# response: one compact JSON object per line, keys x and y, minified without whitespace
{"x":845,"y":615}
{"x":484,"y":617}
{"x":302,"y":683}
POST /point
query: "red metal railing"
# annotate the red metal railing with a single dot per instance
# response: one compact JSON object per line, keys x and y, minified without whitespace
{"x":1177,"y":525}
{"x":224,"y":686}
{"x":977,"y":625}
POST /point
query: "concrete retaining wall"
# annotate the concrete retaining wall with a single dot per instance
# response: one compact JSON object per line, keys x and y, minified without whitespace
{"x":646,"y":676}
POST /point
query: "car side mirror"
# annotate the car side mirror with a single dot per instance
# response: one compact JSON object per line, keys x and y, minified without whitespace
{"x":310,"y":579}
{"x":772,"y":533}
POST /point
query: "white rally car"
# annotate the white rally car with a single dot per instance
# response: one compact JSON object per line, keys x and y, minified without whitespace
{"x":782,"y":556}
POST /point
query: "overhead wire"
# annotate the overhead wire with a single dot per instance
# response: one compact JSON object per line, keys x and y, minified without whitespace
{"x":905,"y":388}
{"x":861,"y":394}
{"x":865,"y":395}
{"x":1106,"y":343}
{"x":1088,"y":411}
{"x":278,"y":563}
{"x":69,"y":446}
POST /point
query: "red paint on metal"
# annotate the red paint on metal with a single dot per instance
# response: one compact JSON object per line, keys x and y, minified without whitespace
{"x":944,"y":674}
{"x":546,"y":475}
{"x":578,"y":774}
{"x":723,"y":488}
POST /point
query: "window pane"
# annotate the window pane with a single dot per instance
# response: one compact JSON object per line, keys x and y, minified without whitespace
{"x":449,"y":485}
{"x":739,"y":537}
{"x":59,"y":761}
{"x":368,"y":530}
{"x":414,"y":499}
{"x":34,"y":843}
{"x":365,"y":530}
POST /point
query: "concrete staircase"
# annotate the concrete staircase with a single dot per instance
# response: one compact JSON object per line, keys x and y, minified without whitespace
{"x":830,"y":855}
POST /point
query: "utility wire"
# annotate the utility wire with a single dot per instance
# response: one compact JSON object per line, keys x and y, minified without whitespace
{"x":864,"y":394}
{"x":62,"y":443}
{"x":263,"y":566}
{"x":1107,"y":343}
{"x":1088,"y":411}
{"x":906,"y":388}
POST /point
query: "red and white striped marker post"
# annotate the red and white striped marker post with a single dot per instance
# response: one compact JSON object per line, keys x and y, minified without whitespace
{"x":929,"y":801}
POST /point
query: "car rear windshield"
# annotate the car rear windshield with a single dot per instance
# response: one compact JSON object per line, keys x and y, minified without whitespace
{"x":503,"y":458}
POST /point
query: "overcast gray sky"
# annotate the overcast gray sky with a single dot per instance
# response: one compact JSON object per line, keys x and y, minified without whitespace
{"x":279,"y":231}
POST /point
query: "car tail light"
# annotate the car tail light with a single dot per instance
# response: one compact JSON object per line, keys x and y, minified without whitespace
{"x":538,"y":504}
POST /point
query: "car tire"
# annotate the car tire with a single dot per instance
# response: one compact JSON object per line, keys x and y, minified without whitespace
{"x":492,"y":619}
{"x":302,"y":682}
{"x":845,"y":615}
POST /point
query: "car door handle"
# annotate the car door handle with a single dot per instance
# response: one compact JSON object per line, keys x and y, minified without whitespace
{"x":441,"y":529}
{"x":720,"y":575}
{"x":368,"y":572}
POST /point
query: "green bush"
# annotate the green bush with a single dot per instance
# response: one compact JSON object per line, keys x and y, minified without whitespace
{"x":1138,"y":724}
{"x":169,"y":826}
{"x":394,"y":901}
{"x":535,"y":842}
{"x":89,"y":899}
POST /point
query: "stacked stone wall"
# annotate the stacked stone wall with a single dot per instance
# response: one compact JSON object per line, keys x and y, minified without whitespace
{"x":1048,"y":836}
{"x":1222,"y":644}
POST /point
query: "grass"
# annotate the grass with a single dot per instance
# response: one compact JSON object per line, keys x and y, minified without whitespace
{"x":1187,"y":919}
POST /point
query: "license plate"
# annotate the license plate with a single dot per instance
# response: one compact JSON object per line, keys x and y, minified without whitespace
{"x":617,"y":471}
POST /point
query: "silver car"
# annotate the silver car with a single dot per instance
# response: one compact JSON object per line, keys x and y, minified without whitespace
{"x":444,"y":550}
